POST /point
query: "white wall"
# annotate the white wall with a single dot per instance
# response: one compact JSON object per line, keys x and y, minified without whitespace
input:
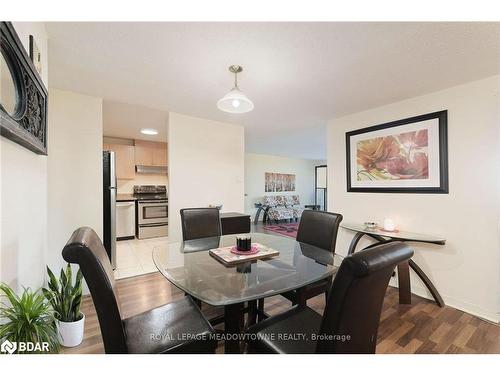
{"x":23,"y":238}
{"x":466,"y":271}
{"x":74,"y":169}
{"x":44,"y":198}
{"x":256,"y":165}
{"x":206,"y":166}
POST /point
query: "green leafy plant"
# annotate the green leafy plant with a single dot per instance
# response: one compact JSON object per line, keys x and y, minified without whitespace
{"x":27,"y":318}
{"x":65,"y":297}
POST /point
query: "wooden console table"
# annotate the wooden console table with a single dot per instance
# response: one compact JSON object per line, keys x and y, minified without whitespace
{"x":234,"y":223}
{"x":381,"y":236}
{"x":314,"y":207}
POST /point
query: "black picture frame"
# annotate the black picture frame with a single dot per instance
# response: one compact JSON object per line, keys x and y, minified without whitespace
{"x":27,"y":125}
{"x":443,"y":187}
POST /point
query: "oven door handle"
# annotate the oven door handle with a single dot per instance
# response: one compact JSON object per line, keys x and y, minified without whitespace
{"x":155,"y":224}
{"x":154,"y":203}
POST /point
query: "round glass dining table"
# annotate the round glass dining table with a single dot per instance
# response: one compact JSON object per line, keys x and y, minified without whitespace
{"x":190,"y":267}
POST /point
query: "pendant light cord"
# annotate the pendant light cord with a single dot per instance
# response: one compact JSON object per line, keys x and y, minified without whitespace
{"x":236,"y":80}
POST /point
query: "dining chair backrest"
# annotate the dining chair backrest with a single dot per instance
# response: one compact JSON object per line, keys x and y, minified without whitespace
{"x":355,"y":299}
{"x":200,"y":223}
{"x":86,"y":249}
{"x":319,"y":228}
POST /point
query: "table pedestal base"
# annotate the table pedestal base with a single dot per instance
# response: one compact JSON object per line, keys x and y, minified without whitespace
{"x":403,"y":270}
{"x":233,"y":327}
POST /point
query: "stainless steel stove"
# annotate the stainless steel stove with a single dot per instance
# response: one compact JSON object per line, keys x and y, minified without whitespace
{"x":152,"y":211}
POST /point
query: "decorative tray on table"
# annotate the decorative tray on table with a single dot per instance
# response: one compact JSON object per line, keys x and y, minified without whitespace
{"x":230,"y":255}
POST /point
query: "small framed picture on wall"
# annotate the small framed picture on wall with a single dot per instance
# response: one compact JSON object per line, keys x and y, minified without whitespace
{"x":279,"y":182}
{"x":35,"y":55}
{"x":403,"y":156}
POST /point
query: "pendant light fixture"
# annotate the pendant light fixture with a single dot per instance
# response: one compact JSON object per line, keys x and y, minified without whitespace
{"x":235,"y":101}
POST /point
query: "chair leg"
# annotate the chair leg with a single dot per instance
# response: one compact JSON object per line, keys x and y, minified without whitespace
{"x":197,"y":301}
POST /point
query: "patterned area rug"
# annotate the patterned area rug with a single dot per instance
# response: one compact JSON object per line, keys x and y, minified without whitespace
{"x":287,"y":229}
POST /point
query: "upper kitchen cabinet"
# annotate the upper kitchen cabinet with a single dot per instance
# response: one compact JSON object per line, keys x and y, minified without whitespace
{"x":124,"y":159}
{"x":149,"y":153}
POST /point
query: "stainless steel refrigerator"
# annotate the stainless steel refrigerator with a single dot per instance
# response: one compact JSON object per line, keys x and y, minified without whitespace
{"x":109,"y":204}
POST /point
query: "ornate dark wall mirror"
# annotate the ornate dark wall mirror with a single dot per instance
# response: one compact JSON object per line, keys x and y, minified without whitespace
{"x":23,"y":96}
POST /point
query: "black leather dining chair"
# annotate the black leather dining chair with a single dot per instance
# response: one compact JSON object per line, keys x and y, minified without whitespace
{"x":351,"y":318}
{"x":159,"y":330}
{"x":319,"y":229}
{"x":200,"y":223}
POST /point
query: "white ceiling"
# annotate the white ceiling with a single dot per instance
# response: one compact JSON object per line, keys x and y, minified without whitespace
{"x":126,"y":121}
{"x":299,"y":75}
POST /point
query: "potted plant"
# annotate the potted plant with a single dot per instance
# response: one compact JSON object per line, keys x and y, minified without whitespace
{"x":66,"y":298}
{"x":28,"y":319}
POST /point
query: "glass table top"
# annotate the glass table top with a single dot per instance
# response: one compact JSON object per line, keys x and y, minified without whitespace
{"x":189,"y":266}
{"x":399,"y":235}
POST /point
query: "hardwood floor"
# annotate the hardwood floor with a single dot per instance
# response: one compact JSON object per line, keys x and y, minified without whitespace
{"x":422,"y":327}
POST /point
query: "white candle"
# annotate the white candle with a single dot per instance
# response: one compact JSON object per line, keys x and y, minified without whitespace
{"x":389,"y":225}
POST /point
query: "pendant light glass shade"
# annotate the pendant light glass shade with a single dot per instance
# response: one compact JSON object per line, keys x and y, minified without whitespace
{"x":235,"y":101}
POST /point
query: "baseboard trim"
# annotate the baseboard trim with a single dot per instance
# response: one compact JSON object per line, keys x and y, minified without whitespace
{"x":491,"y":316}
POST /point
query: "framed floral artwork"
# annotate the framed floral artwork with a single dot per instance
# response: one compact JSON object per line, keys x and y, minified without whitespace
{"x":404,"y":156}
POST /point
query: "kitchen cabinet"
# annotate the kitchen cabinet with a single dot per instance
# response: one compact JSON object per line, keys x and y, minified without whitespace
{"x":160,"y":155}
{"x":151,"y":153}
{"x":125,"y":160}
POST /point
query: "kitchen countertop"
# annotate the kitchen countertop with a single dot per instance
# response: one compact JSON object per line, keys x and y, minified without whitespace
{"x":125,"y":197}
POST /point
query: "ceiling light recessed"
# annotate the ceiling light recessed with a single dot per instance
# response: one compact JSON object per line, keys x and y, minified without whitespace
{"x":235,"y":101}
{"x":149,"y":131}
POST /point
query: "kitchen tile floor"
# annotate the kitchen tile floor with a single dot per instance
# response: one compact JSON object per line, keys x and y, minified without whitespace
{"x":135,"y":257}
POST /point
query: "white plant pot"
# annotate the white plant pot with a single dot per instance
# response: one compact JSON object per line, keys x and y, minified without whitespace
{"x":71,"y":333}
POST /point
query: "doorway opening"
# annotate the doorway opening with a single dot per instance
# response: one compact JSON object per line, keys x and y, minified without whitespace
{"x":320,"y":187}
